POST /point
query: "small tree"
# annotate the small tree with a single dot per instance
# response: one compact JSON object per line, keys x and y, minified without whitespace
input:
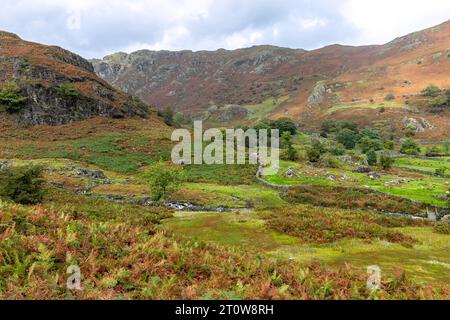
{"x":372,"y":157}
{"x":315,"y":152}
{"x":10,"y":97}
{"x":386,"y":161}
{"x":289,"y":152}
{"x":22,"y":185}
{"x":164,"y":179}
{"x":410,"y":147}
{"x":346,"y":137}
{"x":67,"y":89}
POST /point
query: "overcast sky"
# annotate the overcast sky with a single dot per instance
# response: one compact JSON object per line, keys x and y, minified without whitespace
{"x":94,"y":28}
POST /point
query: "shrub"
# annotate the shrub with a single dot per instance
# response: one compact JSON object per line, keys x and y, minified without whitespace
{"x":330,"y":162}
{"x":410,"y":147}
{"x":282,"y":124}
{"x":389,"y":145}
{"x":372,"y":157}
{"x":433,"y":151}
{"x":337,"y":149}
{"x":167,"y":115}
{"x":10,"y":97}
{"x":289,"y":152}
{"x":441,"y":171}
{"x":347,"y":138}
{"x":431,"y":91}
{"x":438,"y":102}
{"x":67,"y":89}
{"x":366,"y":144}
{"x":386,"y":161}
{"x":389,"y":97}
{"x":313,"y":154}
{"x":22,"y":185}
{"x":164,"y":179}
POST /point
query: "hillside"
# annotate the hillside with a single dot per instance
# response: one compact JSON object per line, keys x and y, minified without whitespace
{"x":337,"y":81}
{"x":49,"y":85}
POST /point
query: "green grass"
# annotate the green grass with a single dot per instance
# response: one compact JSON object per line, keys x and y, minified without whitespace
{"x":369,"y":106}
{"x":252,"y":195}
{"x":427,"y":260}
{"x":262,"y":110}
{"x":424,"y":188}
{"x":221,"y":174}
{"x":422,"y":164}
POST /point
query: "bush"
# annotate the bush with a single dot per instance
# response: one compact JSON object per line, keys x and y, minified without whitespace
{"x":289,"y":153}
{"x":164,"y":179}
{"x":347,"y":138}
{"x":313,"y":154}
{"x":441,"y":171}
{"x":10,"y":97}
{"x":410,"y":147}
{"x":22,"y":185}
{"x":337,"y":149}
{"x":431,"y":91}
{"x":282,"y":124}
{"x":67,"y":90}
{"x":386,"y":161}
{"x":167,"y":115}
{"x":433,"y":151}
{"x":389,"y":97}
{"x":372,"y":157}
{"x":389,"y":145}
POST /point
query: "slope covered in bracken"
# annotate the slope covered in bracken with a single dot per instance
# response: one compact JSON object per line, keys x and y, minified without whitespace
{"x":49,"y":85}
{"x":342,"y":82}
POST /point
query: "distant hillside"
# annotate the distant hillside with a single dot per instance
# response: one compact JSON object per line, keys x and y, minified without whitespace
{"x":333,"y":82}
{"x":48,"y":85}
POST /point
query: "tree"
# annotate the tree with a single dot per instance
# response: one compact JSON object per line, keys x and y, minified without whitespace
{"x":386,"y":161}
{"x":315,"y":152}
{"x":410,"y":147}
{"x":431,"y":91}
{"x":285,"y":125}
{"x":10,"y":97}
{"x":366,"y":144}
{"x":164,"y":179}
{"x":371,"y":157}
{"x":346,"y":137}
{"x":337,"y":149}
{"x":328,"y":126}
{"x":289,"y":152}
{"x":22,"y":185}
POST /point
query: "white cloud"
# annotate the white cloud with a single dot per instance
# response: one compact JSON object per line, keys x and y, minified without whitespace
{"x":97,"y":27}
{"x":382,"y":20}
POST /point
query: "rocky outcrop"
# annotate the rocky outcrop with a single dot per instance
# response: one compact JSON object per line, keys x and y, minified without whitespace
{"x":57,"y":86}
{"x":418,"y":125}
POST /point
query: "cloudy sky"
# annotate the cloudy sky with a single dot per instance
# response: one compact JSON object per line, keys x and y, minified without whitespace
{"x":94,"y":28}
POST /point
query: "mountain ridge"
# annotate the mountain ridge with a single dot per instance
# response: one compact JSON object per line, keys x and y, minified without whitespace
{"x":54,"y":86}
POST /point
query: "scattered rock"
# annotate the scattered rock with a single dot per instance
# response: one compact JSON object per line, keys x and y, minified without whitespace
{"x":4,"y":164}
{"x":419,"y":125}
{"x":91,"y":174}
{"x":362,"y":170}
{"x":318,"y":93}
{"x":374,"y":176}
